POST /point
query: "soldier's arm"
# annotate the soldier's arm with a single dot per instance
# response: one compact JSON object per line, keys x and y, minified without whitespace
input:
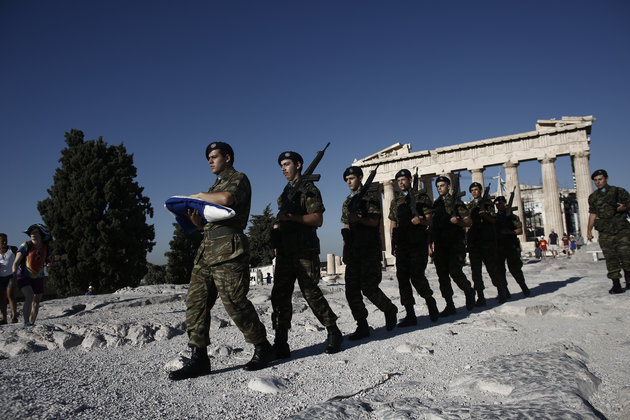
{"x":591,"y":223}
{"x":222,"y":198}
{"x":392,"y":226}
{"x":312,"y":219}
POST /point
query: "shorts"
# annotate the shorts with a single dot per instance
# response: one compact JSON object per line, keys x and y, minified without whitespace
{"x":553,"y":247}
{"x":36,"y":284}
{"x":5,"y":281}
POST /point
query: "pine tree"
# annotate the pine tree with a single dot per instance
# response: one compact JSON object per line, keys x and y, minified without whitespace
{"x":259,"y":234}
{"x":181,"y":257}
{"x":97,"y":215}
{"x":156,"y":274}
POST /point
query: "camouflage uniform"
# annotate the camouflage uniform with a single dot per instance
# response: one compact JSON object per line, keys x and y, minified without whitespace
{"x":411,"y":245}
{"x":363,"y":259}
{"x":449,"y":245}
{"x":298,"y":257}
{"x":613,"y":228}
{"x":481,"y":242}
{"x":221,"y":269}
{"x":509,"y":247}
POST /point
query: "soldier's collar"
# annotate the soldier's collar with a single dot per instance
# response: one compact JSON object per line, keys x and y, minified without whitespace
{"x":405,"y":193}
{"x":226,"y":172}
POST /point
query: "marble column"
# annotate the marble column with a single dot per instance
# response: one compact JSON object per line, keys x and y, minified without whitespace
{"x":427,"y":184}
{"x":477,"y":175}
{"x":330,"y":264}
{"x":512,"y":183}
{"x":583,"y":187}
{"x":388,"y":196}
{"x":551,"y":194}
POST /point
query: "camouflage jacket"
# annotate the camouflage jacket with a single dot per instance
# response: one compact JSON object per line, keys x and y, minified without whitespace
{"x":507,"y":222}
{"x":603,"y":203}
{"x":229,"y":246}
{"x":400,"y":212}
{"x":442,"y":228}
{"x":481,"y":229}
{"x":297,"y":236}
{"x":364,"y":237}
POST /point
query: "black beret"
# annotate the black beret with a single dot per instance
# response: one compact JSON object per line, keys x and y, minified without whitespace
{"x":500,"y":198}
{"x":225,"y":149}
{"x":475,"y":184}
{"x":295,"y":157}
{"x":599,"y":172}
{"x":442,"y":179}
{"x":352,"y":170}
{"x":403,"y":172}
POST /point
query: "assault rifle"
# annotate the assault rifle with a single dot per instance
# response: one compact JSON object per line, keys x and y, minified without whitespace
{"x":485,"y":201}
{"x":457,"y":195}
{"x":509,"y":209}
{"x":414,"y":193}
{"x":354,"y":209}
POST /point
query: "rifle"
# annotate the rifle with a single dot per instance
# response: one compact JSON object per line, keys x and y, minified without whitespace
{"x":509,"y":209}
{"x":414,"y":193}
{"x":485,"y":201}
{"x":290,"y":191}
{"x":353,"y":208}
{"x":457,"y":195}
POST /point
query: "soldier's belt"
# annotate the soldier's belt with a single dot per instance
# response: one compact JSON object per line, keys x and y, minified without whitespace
{"x":222,"y":231}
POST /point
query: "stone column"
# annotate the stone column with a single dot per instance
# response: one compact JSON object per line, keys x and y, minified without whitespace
{"x":330,"y":264}
{"x":427,"y":184}
{"x":388,"y":196}
{"x":583,"y":187}
{"x":511,"y":181}
{"x":551,"y":193}
{"x":477,"y":176}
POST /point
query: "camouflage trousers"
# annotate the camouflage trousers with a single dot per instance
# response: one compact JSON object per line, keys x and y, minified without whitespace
{"x":230,"y":281}
{"x":363,"y":277}
{"x":411,"y":264}
{"x":306,"y":269}
{"x":486,"y":254}
{"x":449,"y":259}
{"x":512,"y":256}
{"x":616,"y":249}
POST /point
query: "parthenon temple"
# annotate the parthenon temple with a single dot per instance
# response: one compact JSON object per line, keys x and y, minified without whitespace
{"x":569,"y":136}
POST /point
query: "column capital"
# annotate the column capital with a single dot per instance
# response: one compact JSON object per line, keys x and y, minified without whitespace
{"x":547,"y":159}
{"x":581,"y":154}
{"x":510,"y":164}
{"x":477,"y":170}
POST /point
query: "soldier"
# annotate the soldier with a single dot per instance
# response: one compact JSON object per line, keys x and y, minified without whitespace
{"x":297,"y":253}
{"x":221,"y":269}
{"x":481,"y":242}
{"x":450,"y":218}
{"x":410,"y":246}
{"x":508,"y":226}
{"x":608,"y":207}
{"x":362,"y":254}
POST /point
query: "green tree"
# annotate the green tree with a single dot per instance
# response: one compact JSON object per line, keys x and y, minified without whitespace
{"x":181,"y":257}
{"x":97,"y":215}
{"x":156,"y":274}
{"x":259,"y":234}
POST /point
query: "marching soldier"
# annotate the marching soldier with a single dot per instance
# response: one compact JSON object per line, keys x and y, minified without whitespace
{"x":410,"y":246}
{"x":608,"y":208}
{"x":482,"y":245}
{"x":297,"y":256}
{"x":508,"y":228}
{"x":361,"y":214}
{"x":221,"y":269}
{"x":450,"y":218}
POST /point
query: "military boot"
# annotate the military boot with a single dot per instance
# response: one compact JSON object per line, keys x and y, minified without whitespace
{"x":198,"y":365}
{"x":616,"y":289}
{"x":626,"y":274}
{"x":434,"y":313}
{"x":503,"y":294}
{"x":390,"y":318}
{"x":281,"y":344}
{"x":410,"y":319}
{"x":470,"y":298}
{"x":362,"y":331}
{"x":333,"y":342}
{"x":525,"y":289}
{"x":263,"y":354}
{"x":481,"y":299}
{"x":449,"y":310}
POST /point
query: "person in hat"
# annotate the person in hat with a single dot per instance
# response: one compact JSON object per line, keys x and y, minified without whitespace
{"x":297,"y":256}
{"x":7,"y":257}
{"x":508,"y":228}
{"x":410,"y":246}
{"x":450,"y":219}
{"x":608,"y":211}
{"x":362,"y":254}
{"x":222,"y":269}
{"x":29,"y":268}
{"x":481,"y":241}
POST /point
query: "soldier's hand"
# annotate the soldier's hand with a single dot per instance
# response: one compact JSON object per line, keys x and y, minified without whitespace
{"x":417,"y":220}
{"x":621,"y":208}
{"x":454,"y":220}
{"x":589,"y":236}
{"x":285,"y":217}
{"x":195,"y":217}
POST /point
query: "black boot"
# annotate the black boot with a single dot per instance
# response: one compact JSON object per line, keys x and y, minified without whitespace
{"x":263,"y":354}
{"x":281,"y":345}
{"x":333,"y":342}
{"x":362,"y":331}
{"x":390,"y":318}
{"x":507,"y":293}
{"x":525,"y":289}
{"x":470,"y":298}
{"x":434,"y":313}
{"x":410,"y":319}
{"x":503,"y":294}
{"x":481,"y":299}
{"x":616,"y":289}
{"x":449,"y":310}
{"x":626,"y":274}
{"x":198,"y":365}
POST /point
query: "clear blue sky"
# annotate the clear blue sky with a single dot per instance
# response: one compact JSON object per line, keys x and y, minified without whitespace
{"x":166,"y":78}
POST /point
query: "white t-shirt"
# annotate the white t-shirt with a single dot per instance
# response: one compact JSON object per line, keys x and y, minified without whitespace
{"x":6,"y":263}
